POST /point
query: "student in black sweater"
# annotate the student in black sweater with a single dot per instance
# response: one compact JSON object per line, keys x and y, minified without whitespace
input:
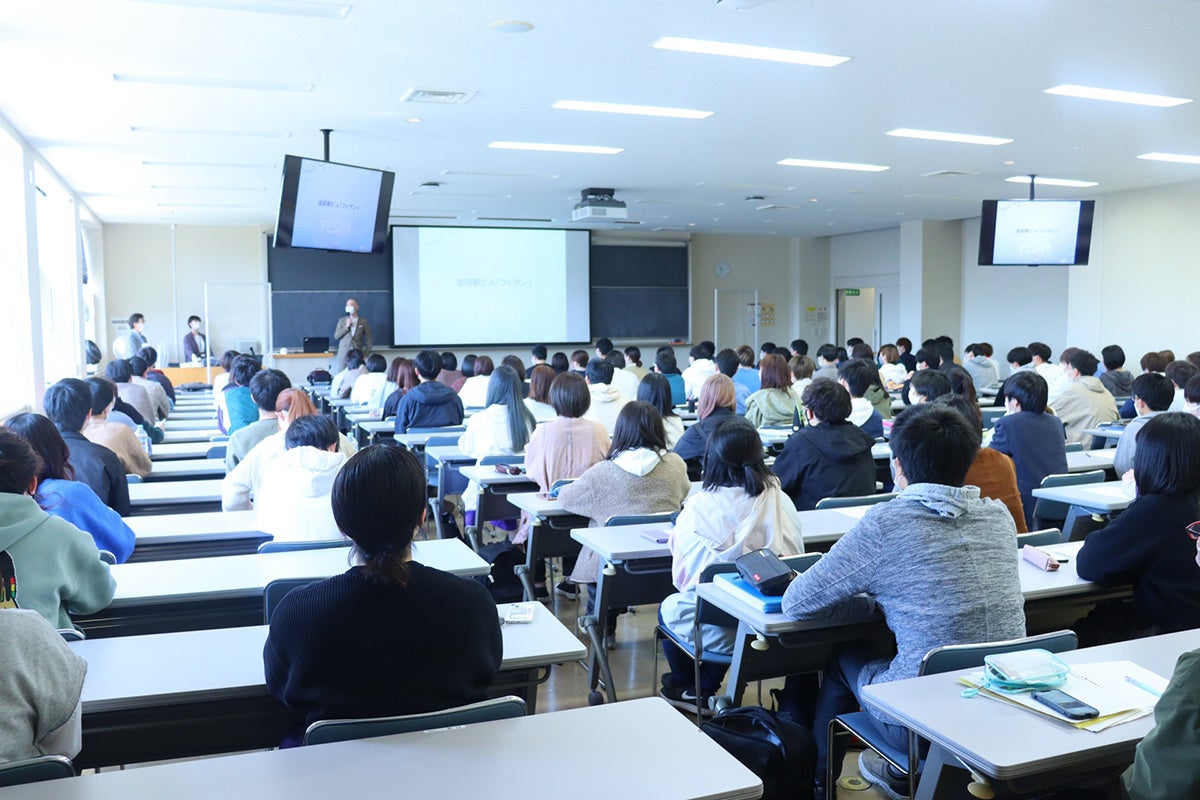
{"x":1149,"y":544}
{"x":390,"y":636}
{"x":718,"y":400}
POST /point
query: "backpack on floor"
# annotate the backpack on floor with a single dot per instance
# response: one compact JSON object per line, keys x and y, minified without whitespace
{"x":782,"y":753}
{"x":503,"y":583}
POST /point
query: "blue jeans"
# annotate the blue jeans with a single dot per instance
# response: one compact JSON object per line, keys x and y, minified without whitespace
{"x":683,"y":670}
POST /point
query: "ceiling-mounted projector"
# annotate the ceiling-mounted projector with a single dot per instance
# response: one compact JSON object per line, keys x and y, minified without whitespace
{"x":598,"y":203}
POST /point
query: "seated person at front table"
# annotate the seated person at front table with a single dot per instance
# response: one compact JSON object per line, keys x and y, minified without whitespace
{"x":292,"y":503}
{"x":623,"y":380}
{"x":451,"y":375}
{"x":857,"y":376}
{"x":927,"y":361}
{"x":60,"y":495}
{"x":1085,"y":403}
{"x":606,"y":400}
{"x":242,"y":483}
{"x":502,"y":428}
{"x":238,"y":401}
{"x":153,"y":373}
{"x":39,"y":690}
{"x":992,"y":471}
{"x":195,"y":343}
{"x":739,"y":509}
{"x":1152,"y":395}
{"x":265,"y":387}
{"x":891,"y":370}
{"x":429,"y":404}
{"x":578,"y":362}
{"x":158,"y":397}
{"x":401,"y":378}
{"x":390,"y":636}
{"x":827,"y":361}
{"x":830,"y":456}
{"x":665,"y":365}
{"x":1019,"y":360}
{"x":1117,"y":379}
{"x":981,"y":368}
{"x":639,"y":476}
{"x":774,"y":405}
{"x":116,"y":437}
{"x":1148,"y":544}
{"x":473,"y":391}
{"x":219,"y":382}
{"x":700,"y":366}
{"x":368,"y":388}
{"x":937,"y":539}
{"x":47,"y":565}
{"x":717,"y":400}
{"x":747,"y":371}
{"x":68,"y":404}
{"x":121,"y":374}
{"x":343,"y":382}
{"x":926,"y":384}
{"x":538,"y":401}
{"x":656,"y":390}
{"x":728,"y":365}
{"x":1030,"y":436}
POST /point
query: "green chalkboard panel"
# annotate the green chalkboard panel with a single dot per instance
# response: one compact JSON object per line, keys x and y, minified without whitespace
{"x":639,"y":292}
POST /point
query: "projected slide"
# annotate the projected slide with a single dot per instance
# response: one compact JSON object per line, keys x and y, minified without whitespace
{"x":336,"y":207}
{"x":1036,"y":232}
{"x":489,"y":285}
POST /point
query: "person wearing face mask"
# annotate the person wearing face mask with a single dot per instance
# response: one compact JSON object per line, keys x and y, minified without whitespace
{"x":352,"y":333}
{"x":195,"y":343}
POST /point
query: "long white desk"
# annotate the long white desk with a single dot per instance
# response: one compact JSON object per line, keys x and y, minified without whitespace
{"x":160,"y":537}
{"x":175,"y":424}
{"x":175,"y":451}
{"x":226,"y":591}
{"x":1094,"y":498}
{"x":186,"y":469}
{"x":1026,"y":752}
{"x":140,"y":691}
{"x":1088,"y":460}
{"x":178,"y":436}
{"x":167,"y":496}
{"x":646,"y":738}
{"x":195,"y":412}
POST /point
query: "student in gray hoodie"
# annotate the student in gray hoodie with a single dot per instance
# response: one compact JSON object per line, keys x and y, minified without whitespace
{"x":938,"y":539}
{"x":981,"y":368}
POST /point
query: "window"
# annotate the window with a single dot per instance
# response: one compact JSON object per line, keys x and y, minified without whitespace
{"x":58,"y":271}
{"x":16,"y":390}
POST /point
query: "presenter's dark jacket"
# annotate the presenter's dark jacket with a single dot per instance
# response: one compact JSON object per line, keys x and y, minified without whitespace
{"x":1037,"y":445}
{"x":99,"y":468}
{"x":356,"y":646}
{"x":826,"y":460}
{"x":428,"y":405}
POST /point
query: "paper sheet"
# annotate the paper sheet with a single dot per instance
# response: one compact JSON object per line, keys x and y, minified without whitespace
{"x":854,"y":511}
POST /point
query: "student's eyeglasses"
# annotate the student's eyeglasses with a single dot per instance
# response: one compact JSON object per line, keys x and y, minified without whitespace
{"x":1193,"y":531}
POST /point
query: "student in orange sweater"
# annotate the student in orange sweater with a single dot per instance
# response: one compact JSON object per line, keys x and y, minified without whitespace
{"x":993,"y":472}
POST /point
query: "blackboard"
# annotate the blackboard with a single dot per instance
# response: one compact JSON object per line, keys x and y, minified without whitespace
{"x":639,"y":292}
{"x":309,"y":289}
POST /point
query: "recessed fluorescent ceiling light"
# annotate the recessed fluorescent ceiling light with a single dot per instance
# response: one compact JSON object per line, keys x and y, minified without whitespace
{"x":557,"y":148}
{"x":201,"y":205}
{"x":808,"y":162}
{"x":626,"y":108}
{"x":204,"y":132}
{"x":708,"y":47}
{"x":210,"y":165}
{"x":174,"y":188}
{"x":212,"y":83}
{"x":294,"y":8}
{"x":941,"y":136}
{"x":1173,"y":157}
{"x":1052,"y":181}
{"x":1116,"y":96}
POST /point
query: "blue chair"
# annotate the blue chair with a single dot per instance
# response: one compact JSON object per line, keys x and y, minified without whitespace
{"x":940,"y":659}
{"x":1074,"y":447}
{"x":34,"y":770}
{"x":131,"y":478}
{"x":1039,"y":538}
{"x":455,"y":483}
{"x":216,"y":451}
{"x":1048,"y":512}
{"x":275,"y":591}
{"x":315,"y":544}
{"x":641,"y":519}
{"x":483,"y":514}
{"x":709,"y":614}
{"x":850,"y":502}
{"x":341,"y":730}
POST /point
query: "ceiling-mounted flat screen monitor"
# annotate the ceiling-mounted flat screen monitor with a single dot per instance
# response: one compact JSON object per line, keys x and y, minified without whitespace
{"x":328,"y":206}
{"x":1035,"y":232}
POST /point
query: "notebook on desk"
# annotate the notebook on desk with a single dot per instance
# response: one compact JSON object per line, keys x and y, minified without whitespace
{"x":736,"y":585}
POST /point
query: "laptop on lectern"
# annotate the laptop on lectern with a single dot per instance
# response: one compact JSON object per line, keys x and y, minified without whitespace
{"x":316,"y":344}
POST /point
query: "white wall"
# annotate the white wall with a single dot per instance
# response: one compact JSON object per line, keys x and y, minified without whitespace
{"x":866,"y":255}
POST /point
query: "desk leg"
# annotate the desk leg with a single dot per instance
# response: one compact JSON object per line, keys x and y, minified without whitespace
{"x":943,"y":778}
{"x":594,"y":625}
{"x":525,"y":572}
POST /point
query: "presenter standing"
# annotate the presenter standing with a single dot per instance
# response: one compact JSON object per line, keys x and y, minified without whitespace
{"x":352,"y":333}
{"x":195,"y":343}
{"x":127,"y":346}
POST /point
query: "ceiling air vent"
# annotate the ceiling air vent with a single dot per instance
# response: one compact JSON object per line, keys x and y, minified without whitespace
{"x":438,"y":96}
{"x":948,"y":173}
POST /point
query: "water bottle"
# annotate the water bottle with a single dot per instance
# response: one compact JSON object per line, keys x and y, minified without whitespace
{"x":143,"y":439}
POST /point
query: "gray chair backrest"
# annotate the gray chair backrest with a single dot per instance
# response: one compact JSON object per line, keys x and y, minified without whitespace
{"x":1052,"y":510}
{"x":518,"y":458}
{"x":965,"y":656}
{"x":275,"y":591}
{"x":638,"y":519}
{"x":72,"y":634}
{"x":33,"y":770}
{"x":1075,"y":447}
{"x":340,"y":730}
{"x":848,"y":502}
{"x":317,"y":544}
{"x":445,"y":429}
{"x":1039,"y":538}
{"x":440,"y":441}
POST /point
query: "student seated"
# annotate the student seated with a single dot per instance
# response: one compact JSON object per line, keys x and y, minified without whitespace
{"x":1152,"y":395}
{"x":538,"y":401}
{"x":980,"y":367}
{"x":343,"y":382}
{"x":1062,"y":381}
{"x":401,"y":377}
{"x":473,"y":392}
{"x":1040,"y":359}
{"x":368,"y":389}
{"x":1085,"y":403}
{"x":241,"y":483}
{"x":774,"y":405}
{"x":1164,"y":764}
{"x":1115,"y":378}
{"x":664,"y":364}
{"x":265,"y":387}
{"x":120,"y":373}
{"x":926,"y":385}
{"x":451,"y":375}
{"x":431,"y":404}
{"x":937,"y":539}
{"x":891,"y":370}
{"x":559,"y":362}
{"x":904,"y":346}
{"x":747,"y":372}
{"x":992,"y":471}
{"x":158,"y":397}
{"x":717,"y":401}
{"x":607,"y":402}
{"x":1147,"y":544}
{"x":740,"y":508}
{"x":579,"y":362}
{"x":60,"y":495}
{"x":47,"y":565}
{"x":503,"y":427}
{"x":827,"y":360}
{"x":113,"y":435}
{"x":633,"y":361}
{"x":1180,"y":372}
{"x":1030,"y":436}
{"x":40,"y":687}
{"x":219,"y":382}
{"x":150,"y":356}
{"x":623,"y":380}
{"x":830,"y":456}
{"x":467,"y":369}
{"x":655,"y":390}
{"x":390,"y":636}
{"x":238,"y":399}
{"x":639,"y":476}
{"x":927,"y":361}
{"x":727,"y":364}
{"x":1191,"y":397}
{"x":856,"y":377}
{"x":700,"y":366}
{"x":292,"y":503}
{"x":1019,"y":360}
{"x":68,"y":404}
{"x":802,"y":369}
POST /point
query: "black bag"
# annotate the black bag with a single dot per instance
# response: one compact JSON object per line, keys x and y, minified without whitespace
{"x":780,"y":752}
{"x":503,"y":583}
{"x":763,"y":570}
{"x":319,"y":376}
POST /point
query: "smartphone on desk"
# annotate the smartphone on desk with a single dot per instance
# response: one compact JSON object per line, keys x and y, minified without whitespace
{"x":1066,"y":705}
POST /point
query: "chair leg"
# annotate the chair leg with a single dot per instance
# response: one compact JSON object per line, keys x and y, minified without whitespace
{"x":914,"y":763}
{"x":831,"y":736}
